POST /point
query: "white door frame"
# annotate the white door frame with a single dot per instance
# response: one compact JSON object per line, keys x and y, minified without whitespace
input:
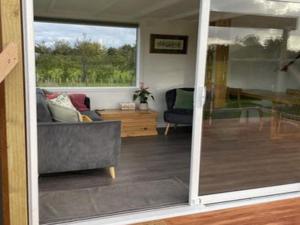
{"x":196,"y":204}
{"x":31,"y":122}
{"x":200,"y":95}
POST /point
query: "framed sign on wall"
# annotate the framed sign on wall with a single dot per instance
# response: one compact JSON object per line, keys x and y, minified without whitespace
{"x":168,"y":44}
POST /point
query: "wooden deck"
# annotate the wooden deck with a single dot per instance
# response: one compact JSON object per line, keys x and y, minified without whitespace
{"x":237,"y":156}
{"x":277,"y":213}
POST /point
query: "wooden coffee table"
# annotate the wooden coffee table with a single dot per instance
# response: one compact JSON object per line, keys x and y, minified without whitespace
{"x":135,"y":123}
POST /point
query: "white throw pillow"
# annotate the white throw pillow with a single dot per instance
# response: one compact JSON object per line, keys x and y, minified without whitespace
{"x":63,"y":114}
{"x":63,"y":110}
{"x":63,"y":100}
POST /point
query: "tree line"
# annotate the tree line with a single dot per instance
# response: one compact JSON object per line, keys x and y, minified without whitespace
{"x":85,"y":63}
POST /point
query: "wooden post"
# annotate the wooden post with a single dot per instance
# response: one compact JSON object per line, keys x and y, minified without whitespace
{"x":221,"y":69}
{"x":12,"y":122}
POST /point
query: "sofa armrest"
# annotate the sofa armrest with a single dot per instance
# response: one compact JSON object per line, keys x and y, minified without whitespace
{"x":64,"y":147}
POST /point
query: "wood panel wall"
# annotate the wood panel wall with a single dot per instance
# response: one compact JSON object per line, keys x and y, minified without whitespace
{"x":12,"y":122}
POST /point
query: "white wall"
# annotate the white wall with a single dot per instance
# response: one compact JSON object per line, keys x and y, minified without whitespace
{"x":166,"y":71}
{"x":159,"y":71}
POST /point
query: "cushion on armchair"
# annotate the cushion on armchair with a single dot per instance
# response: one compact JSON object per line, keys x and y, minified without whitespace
{"x":184,"y":99}
{"x":171,"y":96}
{"x":180,"y":111}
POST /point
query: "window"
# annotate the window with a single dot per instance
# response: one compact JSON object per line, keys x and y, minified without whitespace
{"x":81,"y":55}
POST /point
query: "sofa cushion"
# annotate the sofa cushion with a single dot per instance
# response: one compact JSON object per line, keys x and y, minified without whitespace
{"x":63,"y":100}
{"x":184,"y":99}
{"x":61,"y":113}
{"x":82,"y":104}
{"x":93,"y":115}
{"x":78,"y":100}
{"x":52,"y":95}
{"x":43,"y":113}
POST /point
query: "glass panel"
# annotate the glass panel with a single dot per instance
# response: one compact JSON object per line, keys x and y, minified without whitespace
{"x":112,"y":151}
{"x":252,"y":113}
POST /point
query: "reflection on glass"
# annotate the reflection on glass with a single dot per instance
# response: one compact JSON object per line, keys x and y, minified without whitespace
{"x":257,"y":7}
{"x":252,"y":114}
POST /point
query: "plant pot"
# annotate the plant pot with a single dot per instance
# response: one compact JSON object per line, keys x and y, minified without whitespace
{"x":144,"y":106}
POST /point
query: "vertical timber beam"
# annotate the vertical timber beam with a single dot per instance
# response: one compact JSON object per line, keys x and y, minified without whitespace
{"x":221,"y":69}
{"x":12,"y":122}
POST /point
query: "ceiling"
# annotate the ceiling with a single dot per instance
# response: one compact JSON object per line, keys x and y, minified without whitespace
{"x":130,"y":11}
{"x":274,"y":15}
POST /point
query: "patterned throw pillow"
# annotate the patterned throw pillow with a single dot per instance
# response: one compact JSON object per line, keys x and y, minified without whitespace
{"x":63,"y":114}
{"x":63,"y":110}
{"x":63,"y":100}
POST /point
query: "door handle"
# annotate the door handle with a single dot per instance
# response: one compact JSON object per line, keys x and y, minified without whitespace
{"x":201,"y":98}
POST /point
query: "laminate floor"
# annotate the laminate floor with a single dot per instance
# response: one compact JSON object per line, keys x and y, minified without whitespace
{"x":142,"y":159}
{"x":153,"y":173}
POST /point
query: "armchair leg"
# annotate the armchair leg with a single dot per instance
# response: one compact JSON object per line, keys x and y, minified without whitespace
{"x":167,"y":129}
{"x":112,"y":172}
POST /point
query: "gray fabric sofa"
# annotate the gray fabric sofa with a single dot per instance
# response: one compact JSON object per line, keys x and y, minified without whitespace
{"x":65,"y":147}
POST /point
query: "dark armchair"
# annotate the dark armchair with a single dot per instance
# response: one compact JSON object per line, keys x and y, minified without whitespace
{"x":176,"y":115}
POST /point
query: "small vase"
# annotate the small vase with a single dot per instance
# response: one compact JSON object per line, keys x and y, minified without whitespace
{"x":144,"y":106}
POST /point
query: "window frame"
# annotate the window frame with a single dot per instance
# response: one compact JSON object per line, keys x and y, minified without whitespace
{"x":103,"y":24}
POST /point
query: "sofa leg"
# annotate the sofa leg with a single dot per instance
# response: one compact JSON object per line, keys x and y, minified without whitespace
{"x":167,"y":129}
{"x":112,"y":172}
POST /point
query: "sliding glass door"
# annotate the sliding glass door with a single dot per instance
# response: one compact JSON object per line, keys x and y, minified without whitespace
{"x":251,"y":118}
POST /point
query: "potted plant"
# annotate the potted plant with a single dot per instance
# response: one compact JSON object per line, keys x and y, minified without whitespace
{"x":143,"y":94}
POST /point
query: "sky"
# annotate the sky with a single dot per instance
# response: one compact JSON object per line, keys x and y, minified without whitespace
{"x":107,"y":36}
{"x":233,"y":35}
{"x":258,"y":7}
{"x":278,"y":8}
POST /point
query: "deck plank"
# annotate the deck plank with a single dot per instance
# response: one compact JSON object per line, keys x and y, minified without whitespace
{"x":285,"y":212}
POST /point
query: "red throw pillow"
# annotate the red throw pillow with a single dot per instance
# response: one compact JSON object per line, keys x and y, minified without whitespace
{"x":78,"y":102}
{"x":52,"y":95}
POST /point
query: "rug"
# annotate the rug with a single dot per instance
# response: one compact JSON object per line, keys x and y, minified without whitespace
{"x":70,"y":205}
